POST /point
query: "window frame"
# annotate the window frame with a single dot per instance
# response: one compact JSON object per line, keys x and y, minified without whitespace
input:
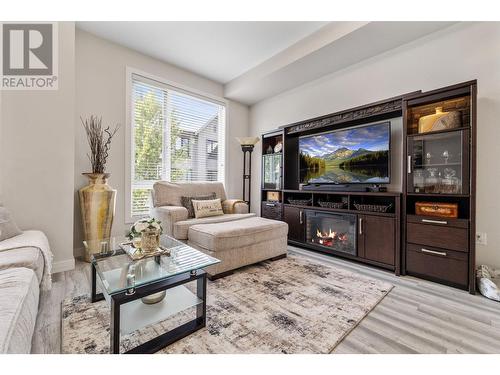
{"x":129,"y":147}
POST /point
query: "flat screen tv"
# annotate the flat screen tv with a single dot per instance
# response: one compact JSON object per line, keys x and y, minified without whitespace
{"x":358,"y":155}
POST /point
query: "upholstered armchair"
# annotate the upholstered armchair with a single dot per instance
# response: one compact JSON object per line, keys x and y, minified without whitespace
{"x":166,"y":206}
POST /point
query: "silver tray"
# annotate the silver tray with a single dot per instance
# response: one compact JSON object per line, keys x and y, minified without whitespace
{"x":136,"y":254}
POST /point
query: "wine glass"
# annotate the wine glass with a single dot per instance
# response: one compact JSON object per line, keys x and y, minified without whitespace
{"x":428,"y":157}
{"x":446,"y":156}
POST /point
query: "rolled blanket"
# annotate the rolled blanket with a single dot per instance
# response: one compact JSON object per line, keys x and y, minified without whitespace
{"x":228,"y":205}
{"x":37,"y":240}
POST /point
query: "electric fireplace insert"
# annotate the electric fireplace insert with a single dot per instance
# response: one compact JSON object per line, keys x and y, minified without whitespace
{"x":334,"y":232}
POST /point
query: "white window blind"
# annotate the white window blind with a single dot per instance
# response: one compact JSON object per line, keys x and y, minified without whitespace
{"x":176,"y":136}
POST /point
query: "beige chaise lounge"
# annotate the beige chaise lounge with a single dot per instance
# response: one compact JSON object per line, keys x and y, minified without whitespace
{"x":237,"y":238}
{"x":167,"y":207}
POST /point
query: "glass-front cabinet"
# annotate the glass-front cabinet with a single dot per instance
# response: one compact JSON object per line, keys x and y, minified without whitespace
{"x":438,"y":163}
{"x":271,"y":171}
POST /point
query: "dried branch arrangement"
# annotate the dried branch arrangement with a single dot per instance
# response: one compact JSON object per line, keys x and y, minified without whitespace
{"x":99,"y":139}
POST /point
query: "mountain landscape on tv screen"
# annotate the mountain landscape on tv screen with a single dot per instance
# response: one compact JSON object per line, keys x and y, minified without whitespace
{"x":352,"y":156}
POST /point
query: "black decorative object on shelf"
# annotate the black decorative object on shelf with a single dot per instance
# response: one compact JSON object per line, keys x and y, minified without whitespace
{"x":336,"y":205}
{"x":300,"y":202}
{"x":373,"y":207}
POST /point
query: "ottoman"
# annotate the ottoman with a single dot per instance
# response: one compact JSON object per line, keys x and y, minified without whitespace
{"x":239,"y":243}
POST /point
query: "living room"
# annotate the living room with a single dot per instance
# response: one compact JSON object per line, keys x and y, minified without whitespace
{"x":262,"y":186}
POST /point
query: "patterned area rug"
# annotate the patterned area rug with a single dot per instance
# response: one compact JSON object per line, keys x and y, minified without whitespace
{"x":292,"y":305}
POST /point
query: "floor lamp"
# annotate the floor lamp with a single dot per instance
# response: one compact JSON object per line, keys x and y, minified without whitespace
{"x":247,"y":144}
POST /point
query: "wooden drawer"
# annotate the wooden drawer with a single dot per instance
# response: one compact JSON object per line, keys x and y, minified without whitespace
{"x":437,"y":264}
{"x":271,"y":210}
{"x":440,"y":221}
{"x":442,"y":236}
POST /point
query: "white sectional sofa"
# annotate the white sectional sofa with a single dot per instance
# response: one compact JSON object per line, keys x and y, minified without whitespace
{"x":23,"y":270}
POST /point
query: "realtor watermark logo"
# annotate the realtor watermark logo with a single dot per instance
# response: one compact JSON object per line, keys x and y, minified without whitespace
{"x":29,"y":58}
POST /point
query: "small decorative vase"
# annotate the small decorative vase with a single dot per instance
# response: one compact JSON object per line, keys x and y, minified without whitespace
{"x":439,"y":121}
{"x":150,"y":241}
{"x":97,"y":205}
{"x":278,"y":147}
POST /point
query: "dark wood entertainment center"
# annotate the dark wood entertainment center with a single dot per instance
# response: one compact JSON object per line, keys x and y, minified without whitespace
{"x":437,"y":167}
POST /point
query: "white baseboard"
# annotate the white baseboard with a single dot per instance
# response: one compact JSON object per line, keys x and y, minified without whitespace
{"x":63,"y":265}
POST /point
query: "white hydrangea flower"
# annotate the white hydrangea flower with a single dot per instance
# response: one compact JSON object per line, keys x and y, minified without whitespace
{"x":141,"y":226}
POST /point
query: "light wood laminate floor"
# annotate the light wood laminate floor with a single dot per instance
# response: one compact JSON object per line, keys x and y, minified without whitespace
{"x":415,"y":317}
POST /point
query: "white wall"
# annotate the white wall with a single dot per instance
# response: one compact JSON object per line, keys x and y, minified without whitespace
{"x":36,"y":155}
{"x":238,"y":126}
{"x":100,"y":90}
{"x":1,"y":145}
{"x":463,"y":52}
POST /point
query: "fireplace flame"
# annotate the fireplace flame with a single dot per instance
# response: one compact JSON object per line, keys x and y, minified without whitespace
{"x":330,"y":237}
{"x":329,"y":234}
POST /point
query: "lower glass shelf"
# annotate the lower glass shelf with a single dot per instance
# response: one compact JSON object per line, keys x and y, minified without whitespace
{"x":135,"y":315}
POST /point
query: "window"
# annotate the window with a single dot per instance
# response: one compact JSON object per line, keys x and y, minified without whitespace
{"x":174,"y":136}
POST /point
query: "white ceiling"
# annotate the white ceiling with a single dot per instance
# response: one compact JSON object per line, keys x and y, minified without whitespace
{"x":331,"y":49}
{"x":220,"y":51}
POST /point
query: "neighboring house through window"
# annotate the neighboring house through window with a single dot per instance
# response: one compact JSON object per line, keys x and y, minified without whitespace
{"x":175,"y":136}
{"x":184,"y":143}
{"x":212,"y":149}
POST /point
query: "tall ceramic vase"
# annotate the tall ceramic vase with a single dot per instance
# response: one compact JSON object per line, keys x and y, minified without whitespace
{"x":97,"y":205}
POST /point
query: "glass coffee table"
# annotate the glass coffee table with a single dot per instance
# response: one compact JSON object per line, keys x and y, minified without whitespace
{"x":132,"y":287}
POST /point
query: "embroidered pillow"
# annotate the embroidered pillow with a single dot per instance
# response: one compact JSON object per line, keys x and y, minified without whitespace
{"x":8,"y":228}
{"x":188,"y":202}
{"x":207,"y":208}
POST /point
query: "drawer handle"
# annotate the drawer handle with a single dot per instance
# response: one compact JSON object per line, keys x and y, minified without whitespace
{"x":434,"y":221}
{"x":271,"y":204}
{"x":441,"y":253}
{"x":300,"y":218}
{"x":409,"y":164}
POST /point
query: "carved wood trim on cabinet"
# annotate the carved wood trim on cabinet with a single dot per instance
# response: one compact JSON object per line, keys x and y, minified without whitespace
{"x":351,"y":115}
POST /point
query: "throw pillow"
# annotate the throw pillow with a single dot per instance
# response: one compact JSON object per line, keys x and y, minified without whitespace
{"x":8,"y":228}
{"x":188,"y":202}
{"x":207,"y":208}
